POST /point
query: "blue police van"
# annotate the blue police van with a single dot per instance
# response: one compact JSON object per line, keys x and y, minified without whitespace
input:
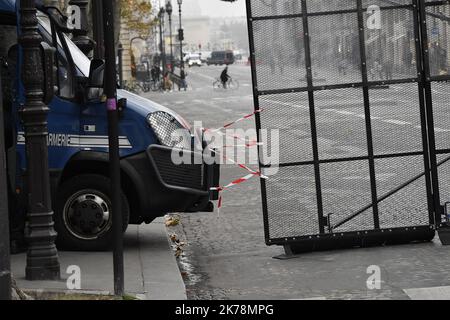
{"x":152,"y":185}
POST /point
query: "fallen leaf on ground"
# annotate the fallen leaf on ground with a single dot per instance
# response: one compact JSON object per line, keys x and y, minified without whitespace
{"x":173,"y":238}
{"x":172,"y":221}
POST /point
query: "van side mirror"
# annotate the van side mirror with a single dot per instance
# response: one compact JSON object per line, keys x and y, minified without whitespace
{"x":96,"y":72}
{"x":50,"y":70}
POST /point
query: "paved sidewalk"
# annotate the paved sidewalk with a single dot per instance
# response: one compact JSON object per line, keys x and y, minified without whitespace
{"x":151,"y":270}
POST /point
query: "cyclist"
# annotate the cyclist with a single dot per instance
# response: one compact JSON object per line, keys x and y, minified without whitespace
{"x":224,"y":77}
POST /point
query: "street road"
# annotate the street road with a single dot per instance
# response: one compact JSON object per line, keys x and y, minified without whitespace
{"x":225,"y":255}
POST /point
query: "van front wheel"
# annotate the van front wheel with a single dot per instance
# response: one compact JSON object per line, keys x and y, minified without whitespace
{"x":83,"y":215}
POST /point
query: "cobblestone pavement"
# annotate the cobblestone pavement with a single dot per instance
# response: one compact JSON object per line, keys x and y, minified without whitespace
{"x":225,"y":256}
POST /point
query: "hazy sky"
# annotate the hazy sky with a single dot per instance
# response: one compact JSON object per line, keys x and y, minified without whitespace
{"x":213,"y":8}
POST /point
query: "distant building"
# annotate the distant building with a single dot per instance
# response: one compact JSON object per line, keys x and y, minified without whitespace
{"x":212,"y":33}
{"x":196,"y":32}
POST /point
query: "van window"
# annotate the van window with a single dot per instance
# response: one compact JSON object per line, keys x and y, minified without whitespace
{"x":82,"y":63}
{"x":64,"y":76}
{"x":218,"y":55}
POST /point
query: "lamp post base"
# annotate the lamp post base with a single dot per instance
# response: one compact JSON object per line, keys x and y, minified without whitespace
{"x":39,"y":273}
{"x":5,"y":285}
{"x":42,"y":267}
{"x":42,"y":255}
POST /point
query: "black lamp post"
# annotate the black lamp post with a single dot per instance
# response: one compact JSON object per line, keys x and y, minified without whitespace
{"x":5,"y":265}
{"x":110,"y":86}
{"x":169,"y":12}
{"x":120,"y":60}
{"x":97,"y":29}
{"x":180,"y":34}
{"x":155,"y":37}
{"x":42,"y":256}
{"x":161,"y":43}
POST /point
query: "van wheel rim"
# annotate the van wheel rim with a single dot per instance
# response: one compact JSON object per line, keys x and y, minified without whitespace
{"x":87,"y":214}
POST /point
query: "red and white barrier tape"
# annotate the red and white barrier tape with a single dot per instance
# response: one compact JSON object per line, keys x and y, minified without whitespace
{"x":243,"y":166}
{"x":246,"y":144}
{"x":235,"y":182}
{"x":219,"y":205}
{"x":235,"y":121}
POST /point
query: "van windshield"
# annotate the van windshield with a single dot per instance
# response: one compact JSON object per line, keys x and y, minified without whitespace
{"x":81,"y":61}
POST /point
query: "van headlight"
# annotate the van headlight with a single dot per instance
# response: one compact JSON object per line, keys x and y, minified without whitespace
{"x":169,"y":131}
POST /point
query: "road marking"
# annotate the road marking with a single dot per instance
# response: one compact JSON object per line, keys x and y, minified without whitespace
{"x":348,"y":113}
{"x":212,"y":105}
{"x":232,"y":98}
{"x":286,"y":104}
{"x":399,"y":122}
{"x":204,"y":76}
{"x":362,"y":116}
{"x":432,"y":293}
{"x":179,"y":102}
{"x":378,"y":177}
{"x":441,"y":130}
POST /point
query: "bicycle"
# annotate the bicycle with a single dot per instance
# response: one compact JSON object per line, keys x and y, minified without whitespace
{"x":156,"y":85}
{"x":230,"y":84}
{"x":143,"y":86}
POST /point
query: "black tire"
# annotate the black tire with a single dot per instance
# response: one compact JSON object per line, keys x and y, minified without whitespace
{"x":233,"y":84}
{"x":81,"y":201}
{"x":217,"y":84}
{"x":146,"y":87}
{"x":155,"y":86}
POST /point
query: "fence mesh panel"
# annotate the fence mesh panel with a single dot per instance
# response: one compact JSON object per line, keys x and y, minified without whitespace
{"x":282,"y":64}
{"x":325,"y":137}
{"x":291,"y":192}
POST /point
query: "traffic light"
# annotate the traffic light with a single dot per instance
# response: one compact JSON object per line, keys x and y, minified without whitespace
{"x":180,"y":35}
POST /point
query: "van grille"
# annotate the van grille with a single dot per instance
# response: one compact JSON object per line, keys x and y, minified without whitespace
{"x":182,"y":175}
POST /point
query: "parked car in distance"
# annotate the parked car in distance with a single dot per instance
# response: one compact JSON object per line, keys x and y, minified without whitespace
{"x":221,"y":57}
{"x":205,"y":55}
{"x":194,"y":60}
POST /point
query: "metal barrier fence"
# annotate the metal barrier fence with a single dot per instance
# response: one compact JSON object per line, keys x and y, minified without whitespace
{"x":352,"y":87}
